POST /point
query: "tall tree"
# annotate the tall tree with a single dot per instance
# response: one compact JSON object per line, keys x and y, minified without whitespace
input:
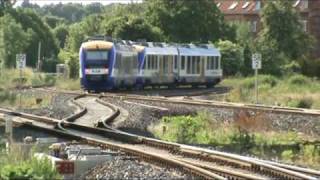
{"x":188,"y":20}
{"x":13,"y":40}
{"x":40,"y":32}
{"x":283,"y":30}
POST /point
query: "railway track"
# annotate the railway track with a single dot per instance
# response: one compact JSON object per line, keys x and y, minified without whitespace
{"x":197,"y":102}
{"x":200,"y":162}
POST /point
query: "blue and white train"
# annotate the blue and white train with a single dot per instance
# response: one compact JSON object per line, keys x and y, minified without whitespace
{"x":106,"y":65}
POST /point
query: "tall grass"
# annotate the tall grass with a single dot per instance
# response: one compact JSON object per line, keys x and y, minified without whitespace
{"x":294,"y":91}
{"x":16,"y":165}
{"x":245,"y":134}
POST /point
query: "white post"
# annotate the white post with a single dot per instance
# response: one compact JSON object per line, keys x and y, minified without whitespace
{"x":8,"y":131}
{"x":39,"y":58}
{"x":256,"y":84}
{"x":256,"y":64}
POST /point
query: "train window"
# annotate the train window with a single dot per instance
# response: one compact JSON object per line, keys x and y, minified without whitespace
{"x":144,"y":63}
{"x":198,"y":65}
{"x":194,"y":61}
{"x":189,"y":66}
{"x":182,"y":62}
{"x":217,"y":63}
{"x":155,"y":60}
{"x":165,"y":64}
{"x":150,"y":58}
{"x":175,"y":62}
{"x":212,"y":63}
{"x":97,"y":55}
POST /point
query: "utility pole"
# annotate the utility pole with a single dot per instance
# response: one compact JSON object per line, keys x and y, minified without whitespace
{"x":39,"y":57}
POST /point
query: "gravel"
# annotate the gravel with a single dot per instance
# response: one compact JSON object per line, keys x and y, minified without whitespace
{"x":141,"y":117}
{"x":58,"y":107}
{"x":122,"y":167}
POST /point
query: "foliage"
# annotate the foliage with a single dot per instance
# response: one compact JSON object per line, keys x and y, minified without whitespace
{"x":67,"y":84}
{"x":232,"y":57}
{"x":132,"y":28}
{"x":229,"y":136}
{"x":292,"y":91}
{"x":282,"y":38}
{"x":30,"y":169}
{"x":13,"y":40}
{"x":40,"y":32}
{"x":72,"y":60}
{"x":188,"y":21}
{"x":53,"y":21}
{"x":61,"y":32}
{"x":299,"y":80}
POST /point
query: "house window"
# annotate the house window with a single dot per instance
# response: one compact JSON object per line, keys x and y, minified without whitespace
{"x":258,"y":5}
{"x":233,"y":5}
{"x":305,"y":4}
{"x":254,"y":26}
{"x":304,"y":25}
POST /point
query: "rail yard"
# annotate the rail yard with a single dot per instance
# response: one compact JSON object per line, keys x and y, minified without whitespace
{"x":97,"y":118}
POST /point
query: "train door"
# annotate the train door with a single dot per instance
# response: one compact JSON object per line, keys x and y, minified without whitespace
{"x":161,"y":69}
{"x":202,"y":68}
{"x":183,"y":60}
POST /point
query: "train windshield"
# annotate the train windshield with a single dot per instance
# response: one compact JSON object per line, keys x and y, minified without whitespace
{"x":97,"y":55}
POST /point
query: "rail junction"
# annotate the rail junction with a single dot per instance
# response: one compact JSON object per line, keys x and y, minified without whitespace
{"x":90,"y":124}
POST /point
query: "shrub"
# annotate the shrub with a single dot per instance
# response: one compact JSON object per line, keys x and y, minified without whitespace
{"x":305,"y":103}
{"x":31,"y":169}
{"x":299,"y":80}
{"x":270,"y":80}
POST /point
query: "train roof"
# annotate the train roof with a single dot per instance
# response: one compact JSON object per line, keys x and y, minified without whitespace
{"x":199,"y":51}
{"x":161,"y":50}
{"x":97,"y":44}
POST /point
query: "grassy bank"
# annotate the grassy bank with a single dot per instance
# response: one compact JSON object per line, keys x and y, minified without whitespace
{"x":18,"y":165}
{"x":238,"y":138}
{"x":293,"y":91}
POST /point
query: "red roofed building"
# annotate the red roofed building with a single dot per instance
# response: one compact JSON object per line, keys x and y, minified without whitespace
{"x":249,"y":11}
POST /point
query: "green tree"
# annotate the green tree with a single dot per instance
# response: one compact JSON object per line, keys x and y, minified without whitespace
{"x":132,"y":28}
{"x":61,"y":32}
{"x":54,"y":21}
{"x":40,"y":32}
{"x":245,"y":38}
{"x":188,"y":21}
{"x":282,"y":38}
{"x":13,"y":40}
{"x":232,"y":57}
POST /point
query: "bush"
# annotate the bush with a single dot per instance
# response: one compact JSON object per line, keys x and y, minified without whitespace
{"x":305,"y":103}
{"x":262,"y":80}
{"x":299,"y":80}
{"x":31,"y":169}
{"x":43,"y":80}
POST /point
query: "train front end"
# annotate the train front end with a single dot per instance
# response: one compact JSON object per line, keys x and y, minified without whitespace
{"x":96,"y":59}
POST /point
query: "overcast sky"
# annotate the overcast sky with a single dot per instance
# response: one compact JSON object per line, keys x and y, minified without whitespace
{"x":45,"y":2}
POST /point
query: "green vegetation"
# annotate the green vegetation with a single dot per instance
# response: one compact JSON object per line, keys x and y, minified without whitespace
{"x":16,"y":165}
{"x":294,"y":91}
{"x":239,"y":137}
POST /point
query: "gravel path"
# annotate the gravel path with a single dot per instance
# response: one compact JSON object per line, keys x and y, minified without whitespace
{"x":95,"y":111}
{"x":130,"y":168}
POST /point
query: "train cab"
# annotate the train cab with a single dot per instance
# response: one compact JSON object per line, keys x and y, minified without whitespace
{"x":96,"y":58}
